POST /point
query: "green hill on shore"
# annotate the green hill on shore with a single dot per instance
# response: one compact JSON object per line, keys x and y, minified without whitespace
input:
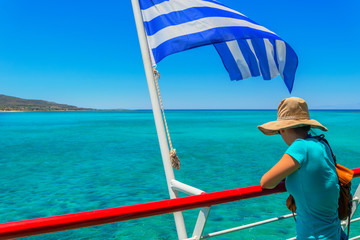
{"x":8,"y":103}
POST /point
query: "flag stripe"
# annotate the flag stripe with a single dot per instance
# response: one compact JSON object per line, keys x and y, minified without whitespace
{"x":281,"y":56}
{"x":290,"y":67}
{"x":197,"y":39}
{"x":196,"y":13}
{"x":260,"y":51}
{"x":274,"y":56}
{"x":202,"y":25}
{"x":175,"y":6}
{"x":239,"y":58}
{"x":273,"y":70}
{"x":250,"y":57}
{"x":147,"y":4}
{"x":251,"y":47}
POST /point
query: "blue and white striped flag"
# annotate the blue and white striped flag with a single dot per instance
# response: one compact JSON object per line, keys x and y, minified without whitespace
{"x":246,"y":48}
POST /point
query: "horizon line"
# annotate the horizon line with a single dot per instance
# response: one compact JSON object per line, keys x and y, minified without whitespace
{"x":236,"y":109}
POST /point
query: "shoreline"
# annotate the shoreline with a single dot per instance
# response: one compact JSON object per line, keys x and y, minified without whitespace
{"x":85,"y":110}
{"x":12,"y":111}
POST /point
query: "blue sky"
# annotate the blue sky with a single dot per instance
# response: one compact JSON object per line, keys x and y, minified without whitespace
{"x":86,"y":53}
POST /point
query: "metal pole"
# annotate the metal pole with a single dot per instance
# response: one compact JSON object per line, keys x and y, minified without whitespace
{"x":164,"y":148}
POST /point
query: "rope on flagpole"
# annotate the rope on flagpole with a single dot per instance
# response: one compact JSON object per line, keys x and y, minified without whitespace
{"x":175,"y":161}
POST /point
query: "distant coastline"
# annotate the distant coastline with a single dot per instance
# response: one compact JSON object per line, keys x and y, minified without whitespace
{"x":95,"y":110}
{"x":15,"y":104}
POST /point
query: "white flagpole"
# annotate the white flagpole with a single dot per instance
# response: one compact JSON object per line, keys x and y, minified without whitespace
{"x":164,"y":148}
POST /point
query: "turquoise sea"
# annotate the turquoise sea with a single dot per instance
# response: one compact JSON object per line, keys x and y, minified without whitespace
{"x":55,"y":163}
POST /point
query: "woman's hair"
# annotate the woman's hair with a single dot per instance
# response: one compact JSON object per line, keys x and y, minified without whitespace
{"x":305,"y":128}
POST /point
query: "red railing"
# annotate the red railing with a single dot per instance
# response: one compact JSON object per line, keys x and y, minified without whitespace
{"x":44,"y":225}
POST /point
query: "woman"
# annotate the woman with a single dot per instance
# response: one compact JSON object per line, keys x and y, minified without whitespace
{"x":309,"y":170}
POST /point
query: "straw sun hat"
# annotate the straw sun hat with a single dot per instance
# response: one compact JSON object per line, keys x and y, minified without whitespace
{"x":292,"y":112}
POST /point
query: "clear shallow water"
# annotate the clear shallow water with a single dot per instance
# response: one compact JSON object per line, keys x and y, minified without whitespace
{"x":64,"y":162}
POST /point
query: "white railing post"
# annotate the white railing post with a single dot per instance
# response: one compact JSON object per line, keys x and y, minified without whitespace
{"x":356,"y":201}
{"x":182,"y":187}
{"x":355,"y":204}
{"x":201,"y":222}
{"x":164,"y":148}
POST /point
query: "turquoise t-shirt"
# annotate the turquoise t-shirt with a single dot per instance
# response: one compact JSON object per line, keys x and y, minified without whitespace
{"x":315,"y":189}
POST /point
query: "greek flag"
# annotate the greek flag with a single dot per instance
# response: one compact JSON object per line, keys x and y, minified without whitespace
{"x":246,"y":48}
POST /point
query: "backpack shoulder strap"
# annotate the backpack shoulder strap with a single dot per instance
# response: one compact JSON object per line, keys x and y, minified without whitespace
{"x":322,"y":138}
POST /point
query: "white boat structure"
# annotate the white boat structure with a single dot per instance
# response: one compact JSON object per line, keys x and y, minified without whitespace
{"x":197,"y":198}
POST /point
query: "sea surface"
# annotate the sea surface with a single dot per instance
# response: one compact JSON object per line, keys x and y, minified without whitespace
{"x":55,"y":163}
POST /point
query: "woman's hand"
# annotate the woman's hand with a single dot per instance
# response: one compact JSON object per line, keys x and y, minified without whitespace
{"x":286,"y":166}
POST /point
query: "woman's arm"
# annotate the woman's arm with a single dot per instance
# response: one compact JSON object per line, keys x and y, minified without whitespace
{"x":286,"y":166}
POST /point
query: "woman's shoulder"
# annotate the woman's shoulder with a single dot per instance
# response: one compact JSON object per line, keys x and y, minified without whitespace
{"x":308,"y":141}
{"x":303,"y":145}
{"x":300,"y":141}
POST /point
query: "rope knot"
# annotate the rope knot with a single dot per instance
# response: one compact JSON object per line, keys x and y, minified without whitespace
{"x":175,"y":161}
{"x":156,"y":73}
